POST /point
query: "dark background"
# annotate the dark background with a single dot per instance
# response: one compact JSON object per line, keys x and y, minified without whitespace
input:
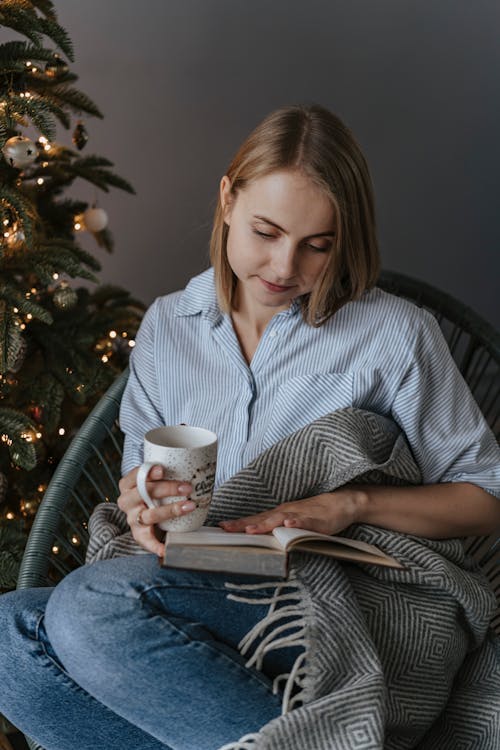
{"x":182,"y":82}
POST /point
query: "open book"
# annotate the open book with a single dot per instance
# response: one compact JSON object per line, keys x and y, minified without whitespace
{"x":212,"y":548}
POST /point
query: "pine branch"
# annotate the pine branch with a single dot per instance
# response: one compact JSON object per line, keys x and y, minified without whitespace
{"x":15,"y":426}
{"x":21,"y":16}
{"x":10,"y":338}
{"x":23,"y":209}
{"x":77,"y":100}
{"x":14,"y":55}
{"x":39,"y":111}
{"x":12,"y":542}
{"x":102,"y":178}
{"x":68,"y":246}
{"x":42,"y":89}
{"x":25,"y":306}
{"x":51,"y":259}
{"x":46,"y":7}
{"x":49,"y":393}
{"x":58,"y":35}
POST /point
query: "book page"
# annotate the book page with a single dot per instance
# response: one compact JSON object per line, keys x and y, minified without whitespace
{"x":288,"y":537}
{"x":212,"y":535}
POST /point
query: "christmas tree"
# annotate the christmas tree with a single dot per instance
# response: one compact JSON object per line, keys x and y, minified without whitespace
{"x":60,"y":345}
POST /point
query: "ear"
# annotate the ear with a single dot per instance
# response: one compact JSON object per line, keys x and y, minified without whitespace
{"x":226,"y":198}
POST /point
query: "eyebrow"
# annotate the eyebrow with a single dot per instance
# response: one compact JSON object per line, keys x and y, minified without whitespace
{"x":309,"y":236}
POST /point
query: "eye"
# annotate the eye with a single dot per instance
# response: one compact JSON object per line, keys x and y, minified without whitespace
{"x":263,"y":234}
{"x":319,"y":249}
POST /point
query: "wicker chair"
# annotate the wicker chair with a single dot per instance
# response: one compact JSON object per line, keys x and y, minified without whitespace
{"x":90,"y":469}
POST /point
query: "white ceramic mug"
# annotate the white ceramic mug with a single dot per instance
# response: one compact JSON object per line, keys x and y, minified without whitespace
{"x":187,"y":454}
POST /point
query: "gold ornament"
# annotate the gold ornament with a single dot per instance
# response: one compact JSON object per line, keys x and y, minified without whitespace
{"x":64,"y":296}
{"x":56,"y":67}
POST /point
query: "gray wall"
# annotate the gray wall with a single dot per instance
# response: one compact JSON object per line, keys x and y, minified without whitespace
{"x":182,"y":82}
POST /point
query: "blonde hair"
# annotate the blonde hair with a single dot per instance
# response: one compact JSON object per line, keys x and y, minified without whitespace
{"x":316,"y":142}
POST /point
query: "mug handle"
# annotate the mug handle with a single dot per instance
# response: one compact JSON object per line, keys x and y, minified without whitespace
{"x":142,"y":475}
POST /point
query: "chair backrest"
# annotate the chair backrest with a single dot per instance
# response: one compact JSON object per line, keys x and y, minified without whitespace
{"x":474,"y":343}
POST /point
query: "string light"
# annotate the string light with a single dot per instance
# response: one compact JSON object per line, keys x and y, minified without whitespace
{"x":9,"y":516}
{"x":55,"y":276}
{"x":40,"y":181}
{"x":104,"y":358}
{"x":112,"y":334}
{"x":43,"y":140}
{"x":55,"y":549}
{"x":78,"y":226}
{"x":62,"y":431}
{"x":131,"y":343}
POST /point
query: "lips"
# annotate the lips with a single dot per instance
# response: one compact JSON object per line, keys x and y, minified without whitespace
{"x":275,"y":287}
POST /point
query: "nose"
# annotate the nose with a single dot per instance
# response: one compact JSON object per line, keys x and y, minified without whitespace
{"x":284,"y":262}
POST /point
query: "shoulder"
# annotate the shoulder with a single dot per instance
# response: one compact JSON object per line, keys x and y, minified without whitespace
{"x":392,"y":320}
{"x":198,"y":297}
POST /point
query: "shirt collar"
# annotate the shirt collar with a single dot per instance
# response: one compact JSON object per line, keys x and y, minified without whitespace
{"x":200,"y":296}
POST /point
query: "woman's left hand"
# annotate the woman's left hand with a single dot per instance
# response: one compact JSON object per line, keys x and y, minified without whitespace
{"x":327,"y":513}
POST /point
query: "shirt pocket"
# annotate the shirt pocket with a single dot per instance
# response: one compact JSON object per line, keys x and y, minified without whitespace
{"x":305,"y":398}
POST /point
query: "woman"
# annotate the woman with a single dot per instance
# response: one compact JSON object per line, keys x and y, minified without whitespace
{"x":285,"y":327}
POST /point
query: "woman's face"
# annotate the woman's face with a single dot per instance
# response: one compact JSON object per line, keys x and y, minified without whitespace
{"x":281,"y":235}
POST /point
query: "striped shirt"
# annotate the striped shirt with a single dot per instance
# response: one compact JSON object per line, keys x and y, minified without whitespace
{"x":380,"y":353}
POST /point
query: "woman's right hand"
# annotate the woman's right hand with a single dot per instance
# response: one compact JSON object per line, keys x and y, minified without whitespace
{"x":131,"y":503}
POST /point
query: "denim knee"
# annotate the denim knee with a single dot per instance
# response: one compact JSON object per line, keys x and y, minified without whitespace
{"x":90,"y":610}
{"x":20,"y":614}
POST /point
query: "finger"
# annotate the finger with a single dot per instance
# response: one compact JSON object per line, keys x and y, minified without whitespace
{"x":258,"y":524}
{"x":157,"y":490}
{"x":167,"y":512}
{"x":147,"y":539}
{"x":309,"y":523}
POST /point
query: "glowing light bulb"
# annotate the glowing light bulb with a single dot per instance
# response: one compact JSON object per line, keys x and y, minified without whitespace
{"x":62,"y":431}
{"x":55,"y":276}
{"x":43,"y":139}
{"x":131,"y":343}
{"x":40,"y":181}
{"x":112,"y":334}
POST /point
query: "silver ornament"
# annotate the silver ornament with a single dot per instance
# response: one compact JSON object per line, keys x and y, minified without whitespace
{"x":95,"y":219}
{"x":19,"y":151}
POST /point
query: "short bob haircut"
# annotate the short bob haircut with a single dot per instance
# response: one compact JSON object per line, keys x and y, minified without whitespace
{"x":317,"y":143}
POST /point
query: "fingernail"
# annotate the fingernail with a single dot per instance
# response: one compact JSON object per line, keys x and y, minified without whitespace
{"x":157,"y":472}
{"x":184,"y":489}
{"x":188,"y":506}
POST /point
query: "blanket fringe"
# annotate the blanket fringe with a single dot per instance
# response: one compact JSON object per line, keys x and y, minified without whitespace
{"x":281,"y":635}
{"x":244,"y":743}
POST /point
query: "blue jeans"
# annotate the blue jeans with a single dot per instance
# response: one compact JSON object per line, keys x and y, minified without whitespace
{"x":124,"y":654}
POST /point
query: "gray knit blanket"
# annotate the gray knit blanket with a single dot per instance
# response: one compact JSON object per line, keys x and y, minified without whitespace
{"x":391,"y":659}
